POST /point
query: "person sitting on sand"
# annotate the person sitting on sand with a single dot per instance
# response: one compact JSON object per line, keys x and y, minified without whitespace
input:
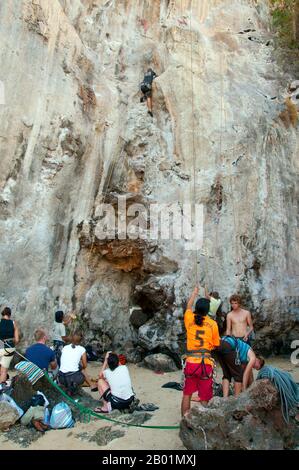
{"x":40,"y":354}
{"x":238,"y":321}
{"x":114,"y":385}
{"x":202,"y":338}
{"x":73,"y":364}
{"x":237,"y":359}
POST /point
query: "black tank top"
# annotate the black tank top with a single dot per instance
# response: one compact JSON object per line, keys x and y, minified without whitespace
{"x":7,"y":330}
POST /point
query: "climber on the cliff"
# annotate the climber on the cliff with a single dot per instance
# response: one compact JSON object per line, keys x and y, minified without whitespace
{"x":146,"y":89}
{"x":237,"y":360}
{"x":239,"y":321}
{"x":202,"y":337}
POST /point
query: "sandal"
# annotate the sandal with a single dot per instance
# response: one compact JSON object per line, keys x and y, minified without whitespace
{"x":99,"y":410}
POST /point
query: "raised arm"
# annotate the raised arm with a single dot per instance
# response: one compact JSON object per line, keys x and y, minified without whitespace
{"x":250,"y":364}
{"x":68,"y":319}
{"x":207,"y":295}
{"x":192,"y":298}
{"x":104,"y":366}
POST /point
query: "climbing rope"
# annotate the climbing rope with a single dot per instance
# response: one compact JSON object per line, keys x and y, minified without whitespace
{"x":110,"y":172}
{"x":87,"y":413}
{"x":193,"y":133}
{"x":286,"y":386}
{"x":237,"y":248}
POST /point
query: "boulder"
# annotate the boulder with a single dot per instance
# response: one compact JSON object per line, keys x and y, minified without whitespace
{"x":8,"y":416}
{"x":135,"y":354}
{"x":151,"y":335}
{"x":160,"y":362}
{"x":137,"y":317}
{"x":252,"y":421}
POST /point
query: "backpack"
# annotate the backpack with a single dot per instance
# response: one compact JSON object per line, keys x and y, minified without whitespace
{"x":145,"y":87}
{"x":61,"y":416}
{"x":91,"y":356}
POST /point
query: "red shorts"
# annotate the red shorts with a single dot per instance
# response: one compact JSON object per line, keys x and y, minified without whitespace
{"x":198,"y":382}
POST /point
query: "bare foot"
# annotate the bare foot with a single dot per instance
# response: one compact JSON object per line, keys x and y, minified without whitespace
{"x":37,"y":425}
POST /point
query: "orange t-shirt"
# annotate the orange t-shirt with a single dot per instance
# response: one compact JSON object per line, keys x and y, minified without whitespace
{"x":205,"y":336}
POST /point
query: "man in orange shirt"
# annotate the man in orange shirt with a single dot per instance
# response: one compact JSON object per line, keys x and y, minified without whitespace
{"x":202,"y":337}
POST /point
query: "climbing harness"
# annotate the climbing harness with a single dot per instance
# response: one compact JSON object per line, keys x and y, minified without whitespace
{"x":200,"y":354}
{"x":286,"y":386}
{"x":4,"y":344}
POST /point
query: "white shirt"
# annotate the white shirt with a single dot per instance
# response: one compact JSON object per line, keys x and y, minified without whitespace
{"x":70,"y":358}
{"x":119,"y":382}
{"x":58,"y":331}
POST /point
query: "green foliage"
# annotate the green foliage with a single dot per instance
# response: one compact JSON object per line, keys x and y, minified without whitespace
{"x":285,"y":16}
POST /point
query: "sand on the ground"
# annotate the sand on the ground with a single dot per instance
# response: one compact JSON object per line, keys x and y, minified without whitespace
{"x":147,"y":386}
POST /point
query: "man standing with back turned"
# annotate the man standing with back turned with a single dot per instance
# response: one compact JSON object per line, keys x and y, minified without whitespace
{"x":202,"y":338}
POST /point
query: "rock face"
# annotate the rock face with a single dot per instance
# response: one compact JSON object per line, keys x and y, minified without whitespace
{"x":160,"y":362}
{"x":74,"y":135}
{"x":253,"y":421}
{"x":8,"y":416}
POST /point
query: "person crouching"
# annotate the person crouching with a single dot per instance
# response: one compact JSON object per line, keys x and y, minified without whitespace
{"x":114,"y":385}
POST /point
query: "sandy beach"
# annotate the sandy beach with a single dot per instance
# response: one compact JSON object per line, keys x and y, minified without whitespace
{"x":147,"y":385}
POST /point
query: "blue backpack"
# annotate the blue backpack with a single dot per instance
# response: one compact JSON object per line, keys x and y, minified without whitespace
{"x":61,"y":416}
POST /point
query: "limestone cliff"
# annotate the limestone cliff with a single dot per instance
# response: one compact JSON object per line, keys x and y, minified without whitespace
{"x":74,"y":134}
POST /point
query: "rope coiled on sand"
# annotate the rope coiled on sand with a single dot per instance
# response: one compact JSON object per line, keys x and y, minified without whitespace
{"x":286,"y":386}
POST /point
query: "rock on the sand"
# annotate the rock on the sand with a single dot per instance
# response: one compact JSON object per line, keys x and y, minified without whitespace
{"x":160,"y":362}
{"x":8,"y":416}
{"x":251,"y":421}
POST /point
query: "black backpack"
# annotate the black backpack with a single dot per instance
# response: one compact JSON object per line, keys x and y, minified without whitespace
{"x":145,"y":87}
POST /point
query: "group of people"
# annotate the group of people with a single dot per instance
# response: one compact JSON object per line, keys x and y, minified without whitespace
{"x":204,"y":344}
{"x":67,"y":359}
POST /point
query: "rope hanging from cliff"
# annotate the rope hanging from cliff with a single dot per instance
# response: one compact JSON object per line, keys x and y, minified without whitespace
{"x":286,"y":386}
{"x":110,"y":172}
{"x":193,"y":132}
{"x":238,"y":254}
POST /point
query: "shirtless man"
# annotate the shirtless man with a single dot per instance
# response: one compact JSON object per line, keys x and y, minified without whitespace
{"x":238,"y":320}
